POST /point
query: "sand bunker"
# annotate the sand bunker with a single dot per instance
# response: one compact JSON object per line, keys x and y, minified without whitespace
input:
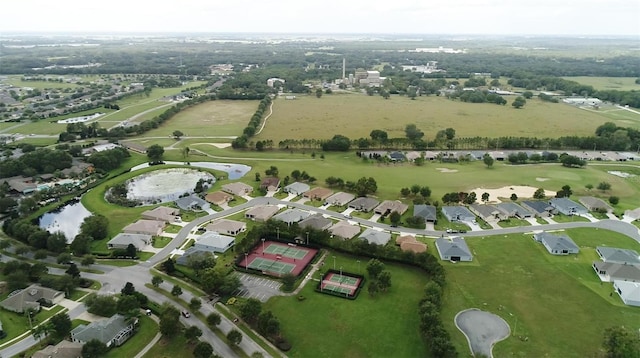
{"x":506,"y":191}
{"x":542,"y":179}
{"x":446,"y":170}
{"x":218,"y":145}
{"x":482,"y":329}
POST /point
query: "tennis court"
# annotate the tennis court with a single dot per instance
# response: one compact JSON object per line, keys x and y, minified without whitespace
{"x":286,"y":250}
{"x":347,"y":280}
{"x":262,"y":264}
{"x":339,"y":283}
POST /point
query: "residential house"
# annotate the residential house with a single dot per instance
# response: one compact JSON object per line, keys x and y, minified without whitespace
{"x":123,"y":240}
{"x":270,"y":184}
{"x":389,"y":206}
{"x":497,"y":155}
{"x":261,"y":212}
{"x":514,"y":210}
{"x":339,"y":199}
{"x":21,"y":185}
{"x":557,"y":244}
{"x":567,"y":206}
{"x":296,"y":188}
{"x":237,"y":188}
{"x":427,"y":212}
{"x":364,"y":204}
{"x":431,"y":155}
{"x":64,"y":349}
{"x":373,"y":236}
{"x":135,"y":147}
{"x":488,"y":213}
{"x":629,"y":292}
{"x":457,"y":213}
{"x":453,"y":249}
{"x":633,"y":214}
{"x":413,"y":155}
{"x":611,"y":271}
{"x":162,"y":213}
{"x":318,"y":193}
{"x":214,"y":242}
{"x":291,"y":216}
{"x":595,"y":204}
{"x":539,"y":208}
{"x":218,"y":198}
{"x":32,"y":297}
{"x":113,"y":331}
{"x":620,"y":256}
{"x":397,"y":157}
{"x":145,"y":227}
{"x":227,"y":227}
{"x":317,"y":222}
{"x":193,"y":203}
{"x":344,"y":230}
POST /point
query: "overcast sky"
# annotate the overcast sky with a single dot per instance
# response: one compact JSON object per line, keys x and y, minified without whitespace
{"x":547,"y":17}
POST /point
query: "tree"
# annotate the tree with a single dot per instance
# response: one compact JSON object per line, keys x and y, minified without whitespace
{"x":268,"y":324}
{"x":192,"y":333}
{"x":566,"y":189}
{"x":177,"y":134}
{"x":395,"y":217}
{"x":176,"y":290}
{"x":514,"y":197}
{"x":202,"y":350}
{"x":213,"y":319}
{"x":589,"y":186}
{"x":621,"y":342}
{"x":156,"y":281}
{"x":128,"y":289}
{"x":604,"y":186}
{"x":527,"y":94}
{"x":405,"y":192}
{"x":571,"y":161}
{"x":131,"y":251}
{"x":154,"y":153}
{"x":425,"y":191}
{"x":374,"y":267}
{"x":195,"y":304}
{"x":63,"y":258}
{"x":169,"y":320}
{"x":61,"y":324}
{"x":95,"y":226}
{"x":319,"y":92}
{"x":384,"y":280}
{"x":539,"y":194}
{"x":234,"y":337}
{"x":73,"y":271}
{"x":250,"y":310}
{"x":485,"y":197}
{"x":288,"y":281}
{"x":272,"y":171}
{"x":94,"y":349}
{"x":128,"y":306}
{"x":412,"y":132}
{"x":379,"y":136}
{"x":374,"y":287}
{"x":488,"y":160}
{"x":614,"y":200}
{"x":105,"y":306}
{"x":88,"y":260}
{"x":169,"y":266}
{"x":519,"y":102}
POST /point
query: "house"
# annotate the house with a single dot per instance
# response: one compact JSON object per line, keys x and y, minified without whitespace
{"x":431,"y":155}
{"x":595,"y":204}
{"x":317,"y":222}
{"x":413,"y":246}
{"x":261,"y":212}
{"x":122,"y":241}
{"x":373,"y":236}
{"x":113,"y":331}
{"x":389,"y":206}
{"x":567,"y":206}
{"x":557,"y":244}
{"x":427,"y":212}
{"x":497,"y":155}
{"x":539,"y":208}
{"x":488,"y":213}
{"x":296,"y":188}
{"x":270,"y":184}
{"x":192,"y":202}
{"x":162,"y":213}
{"x":32,"y":297}
{"x":404,"y":238}
{"x":218,"y":198}
{"x":633,"y":214}
{"x":146,"y":227}
{"x":514,"y":210}
{"x":616,"y":255}
{"x":292,"y":216}
{"x":237,"y":188}
{"x":339,"y":199}
{"x":344,"y":230}
{"x":611,"y":271}
{"x":21,"y":185}
{"x":318,"y":193}
{"x":227,"y":227}
{"x":629,"y":292}
{"x":213,"y":242}
{"x":397,"y":157}
{"x":64,"y":349}
{"x":135,"y":147}
{"x":413,"y":155}
{"x":364,"y":204}
{"x":453,"y":249}
{"x":457,"y":213}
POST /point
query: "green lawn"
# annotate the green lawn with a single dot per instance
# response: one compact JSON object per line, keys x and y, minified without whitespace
{"x":172,"y":229}
{"x":15,"y":324}
{"x":146,"y":331}
{"x":567,"y":219}
{"x":161,"y":241}
{"x":171,"y":347}
{"x":559,"y":302}
{"x":382,"y":326}
{"x":607,"y":83}
{"x":513,"y":222}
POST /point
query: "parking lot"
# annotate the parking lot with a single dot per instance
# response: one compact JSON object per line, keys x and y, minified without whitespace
{"x":260,"y":288}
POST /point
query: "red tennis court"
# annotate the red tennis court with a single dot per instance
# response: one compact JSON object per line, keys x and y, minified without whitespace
{"x":276,"y":259}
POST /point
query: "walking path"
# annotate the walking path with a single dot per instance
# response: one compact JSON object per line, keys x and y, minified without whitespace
{"x":152,"y":343}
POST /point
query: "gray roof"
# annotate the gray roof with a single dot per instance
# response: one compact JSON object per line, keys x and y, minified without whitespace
{"x":340,"y":198}
{"x":567,"y":206}
{"x":460,"y":212}
{"x":622,"y":256}
{"x":375,"y":237}
{"x":28,"y":298}
{"x":226,"y":225}
{"x":104,"y":330}
{"x":262,"y":212}
{"x":593,"y":203}
{"x":556,"y":242}
{"x":629,"y":292}
{"x":211,"y":240}
{"x":140,"y":241}
{"x":344,"y":230}
{"x":428,"y":212}
{"x":297,"y":188}
{"x":316,"y":221}
{"x":292,"y":216}
{"x":188,"y":202}
{"x":538,"y":206}
{"x":455,"y":246}
{"x":518,"y":210}
{"x":617,"y":271}
{"x":486,"y":210}
{"x":363,"y":203}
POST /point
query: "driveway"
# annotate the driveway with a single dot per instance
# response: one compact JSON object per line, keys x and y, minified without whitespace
{"x":260,"y":288}
{"x":532,"y":221}
{"x":476,"y":227}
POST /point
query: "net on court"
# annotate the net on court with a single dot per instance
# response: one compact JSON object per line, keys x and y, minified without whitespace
{"x":347,"y":280}
{"x":340,"y":283}
{"x":287,"y":251}
{"x":263,"y":264}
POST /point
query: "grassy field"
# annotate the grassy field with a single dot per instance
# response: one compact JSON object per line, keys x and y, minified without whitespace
{"x":607,"y":83}
{"x":559,"y":303}
{"x":310,"y":117}
{"x":382,"y":326}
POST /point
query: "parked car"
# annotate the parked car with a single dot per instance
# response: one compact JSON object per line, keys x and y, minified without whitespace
{"x":186,"y":314}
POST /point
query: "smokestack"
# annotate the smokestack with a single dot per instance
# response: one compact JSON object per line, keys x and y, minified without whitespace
{"x":344,"y":67}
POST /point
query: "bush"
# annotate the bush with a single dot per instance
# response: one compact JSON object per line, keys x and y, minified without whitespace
{"x":283,"y":344}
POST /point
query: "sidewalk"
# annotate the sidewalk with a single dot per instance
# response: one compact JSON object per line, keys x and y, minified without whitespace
{"x":153,"y":341}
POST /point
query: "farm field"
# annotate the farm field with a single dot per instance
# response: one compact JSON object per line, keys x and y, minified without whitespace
{"x":559,"y":303}
{"x":310,"y":117}
{"x":607,"y":83}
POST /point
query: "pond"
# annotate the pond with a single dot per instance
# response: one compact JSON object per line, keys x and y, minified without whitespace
{"x":66,"y":219}
{"x":235,"y":171}
{"x":165,"y":185}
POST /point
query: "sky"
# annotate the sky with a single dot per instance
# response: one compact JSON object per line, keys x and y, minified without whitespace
{"x":499,"y":17}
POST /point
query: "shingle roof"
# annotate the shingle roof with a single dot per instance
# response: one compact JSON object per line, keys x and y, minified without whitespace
{"x":538,"y":206}
{"x":455,"y":246}
{"x":364,"y":203}
{"x":316,"y":221}
{"x":428,"y":212}
{"x":344,"y":229}
{"x":556,"y":242}
{"x":375,"y":236}
{"x":104,"y":330}
{"x":292,"y":215}
{"x":614,"y":254}
{"x":140,"y":241}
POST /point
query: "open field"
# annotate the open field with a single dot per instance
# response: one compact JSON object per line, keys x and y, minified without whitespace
{"x":607,"y":83}
{"x":213,"y":118}
{"x":383,"y":326}
{"x":558,"y":302}
{"x":310,"y":117}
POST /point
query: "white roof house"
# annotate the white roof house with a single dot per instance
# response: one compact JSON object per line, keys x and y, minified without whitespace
{"x":629,"y":292}
{"x":297,"y":188}
{"x":122,"y":241}
{"x":375,"y":237}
